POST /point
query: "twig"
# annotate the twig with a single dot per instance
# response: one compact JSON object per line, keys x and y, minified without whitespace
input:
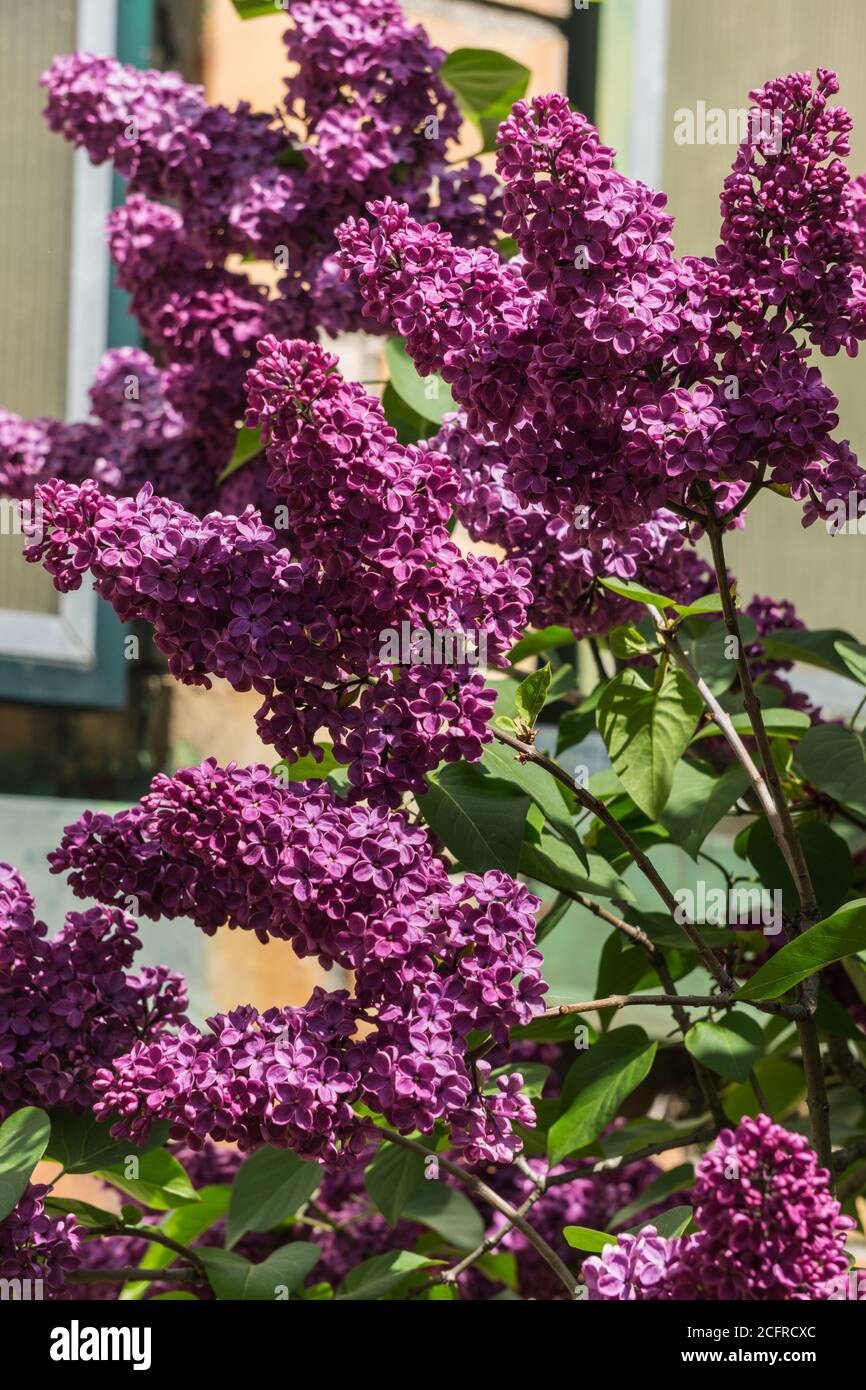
{"x":179,"y":1277}
{"x":492,"y":1199}
{"x":781,"y":824}
{"x":671,"y":1000}
{"x":683,"y":1141}
{"x":789,"y":842}
{"x":843,"y":1158}
{"x":155,"y":1236}
{"x":647,"y":868}
{"x":726,"y":727}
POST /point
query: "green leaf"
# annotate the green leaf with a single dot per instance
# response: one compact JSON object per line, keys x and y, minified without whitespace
{"x":479,"y":817}
{"x":843,"y":934}
{"x":627,"y":642}
{"x":429,"y":396}
{"x":662,"y":1187}
{"x":162,"y":1182}
{"x":270,"y":1186}
{"x":83,"y":1145}
{"x":499,"y":1268}
{"x":834,"y":760}
{"x":531,"y":695}
{"x":383,"y":1274}
{"x":646,"y":731}
{"x":410,"y":426}
{"x":549,"y":861}
{"x":306,"y":769}
{"x":545,"y":640}
{"x":577,"y":724}
{"x":827,"y":856}
{"x":23,"y":1140}
{"x":595,"y":1087}
{"x":699,"y":799}
{"x":669,"y":1224}
{"x":584,"y":1238}
{"x":637,"y":593}
{"x":392,"y":1179}
{"x":813,"y":648}
{"x":248,"y":443}
{"x":84,"y":1212}
{"x":781,"y":1082}
{"x":256,"y":9}
{"x":539,"y":785}
{"x":448,"y":1212}
{"x":779,"y":723}
{"x":185,"y":1225}
{"x":486,"y":85}
{"x":709,"y":651}
{"x":854,"y":656}
{"x":730,"y":1047}
{"x":232,"y":1277}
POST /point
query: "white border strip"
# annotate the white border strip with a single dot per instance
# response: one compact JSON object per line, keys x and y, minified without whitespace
{"x":96,"y":32}
{"x":69,"y":637}
{"x":649,"y":89}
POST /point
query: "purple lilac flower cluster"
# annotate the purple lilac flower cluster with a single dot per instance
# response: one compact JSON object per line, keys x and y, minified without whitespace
{"x":434,"y":961}
{"x":68,"y":1005}
{"x":566,"y":555}
{"x":367,"y":517}
{"x":769,"y":1229}
{"x":39,"y":1248}
{"x":367,"y":113}
{"x":613,"y":374}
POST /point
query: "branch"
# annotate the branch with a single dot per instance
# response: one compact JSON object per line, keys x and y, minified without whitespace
{"x":789,"y":842}
{"x":492,"y":1199}
{"x":605,"y":1165}
{"x":672,"y":999}
{"x":726,"y":726}
{"x":782,"y":824}
{"x":156,"y":1237}
{"x":529,"y":754}
{"x":178,"y":1277}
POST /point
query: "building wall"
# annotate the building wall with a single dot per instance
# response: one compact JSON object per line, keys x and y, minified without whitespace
{"x":660,"y":56}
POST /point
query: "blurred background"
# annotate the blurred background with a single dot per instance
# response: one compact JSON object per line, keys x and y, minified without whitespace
{"x":81,"y":726}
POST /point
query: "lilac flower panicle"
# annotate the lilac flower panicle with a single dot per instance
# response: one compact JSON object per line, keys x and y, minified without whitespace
{"x":68,"y":1004}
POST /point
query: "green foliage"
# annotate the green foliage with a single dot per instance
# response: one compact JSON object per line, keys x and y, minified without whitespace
{"x":596,"y":1085}
{"x":429,"y":397}
{"x":248,"y":445}
{"x":530,"y":696}
{"x":646,"y":729}
{"x":730,"y":1046}
{"x":233,"y":1277}
{"x":159,"y":1182}
{"x":843,"y":934}
{"x":23,"y":1140}
{"x":479,"y":818}
{"x":84,"y":1145}
{"x":486,"y":84}
{"x":393,"y":1177}
{"x":269,"y":1187}
{"x":833,"y":759}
